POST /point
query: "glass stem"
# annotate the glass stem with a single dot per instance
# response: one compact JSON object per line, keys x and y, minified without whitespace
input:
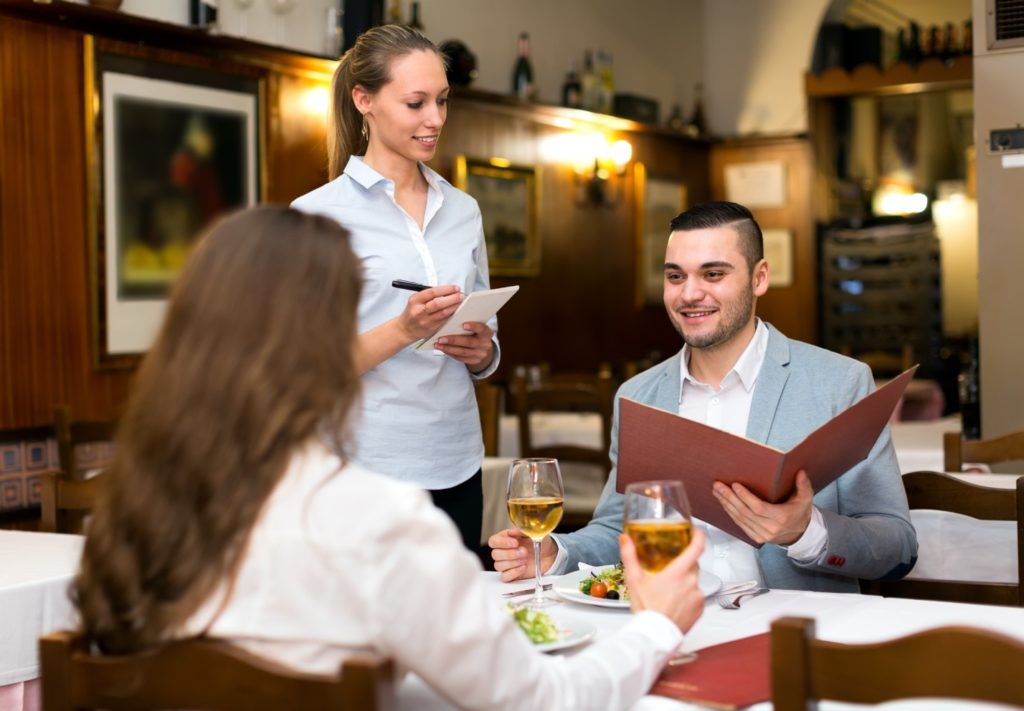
{"x":538,"y":593}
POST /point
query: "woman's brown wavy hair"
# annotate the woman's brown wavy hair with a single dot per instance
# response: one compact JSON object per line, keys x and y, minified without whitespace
{"x":255,"y":359}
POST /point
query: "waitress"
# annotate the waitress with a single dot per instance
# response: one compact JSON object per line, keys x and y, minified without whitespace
{"x":419,"y":419}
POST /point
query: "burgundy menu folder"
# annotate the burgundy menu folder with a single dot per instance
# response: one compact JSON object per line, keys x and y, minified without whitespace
{"x":727,"y":676}
{"x":655,"y":444}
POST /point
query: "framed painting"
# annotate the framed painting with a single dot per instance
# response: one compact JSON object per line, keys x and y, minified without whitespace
{"x":507,"y":195}
{"x":659,"y":200}
{"x":171,"y":148}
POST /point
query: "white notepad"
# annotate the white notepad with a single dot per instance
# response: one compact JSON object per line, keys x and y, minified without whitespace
{"x":477,"y":306}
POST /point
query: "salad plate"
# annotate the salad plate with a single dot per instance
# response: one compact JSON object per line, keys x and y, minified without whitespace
{"x":568,"y":586}
{"x":571,"y":632}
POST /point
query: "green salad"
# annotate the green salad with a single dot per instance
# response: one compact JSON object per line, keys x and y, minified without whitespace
{"x":609,"y":584}
{"x":537,"y":625}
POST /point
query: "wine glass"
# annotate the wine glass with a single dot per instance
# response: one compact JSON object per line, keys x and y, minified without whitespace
{"x":657,"y":519}
{"x":535,"y":500}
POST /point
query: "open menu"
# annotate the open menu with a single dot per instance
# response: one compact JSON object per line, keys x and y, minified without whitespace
{"x":655,"y":444}
{"x":477,"y":306}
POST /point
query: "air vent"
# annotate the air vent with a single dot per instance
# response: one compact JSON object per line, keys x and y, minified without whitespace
{"x":1005,"y":23}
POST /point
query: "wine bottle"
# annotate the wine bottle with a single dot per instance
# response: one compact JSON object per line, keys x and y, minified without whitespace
{"x":588,"y":83}
{"x":698,"y":123}
{"x":395,"y":13}
{"x":571,"y":88}
{"x":522,"y":73}
{"x":606,"y":83}
{"x":414,"y":21}
{"x":676,"y":122}
{"x":203,"y":14}
{"x":967,"y":46}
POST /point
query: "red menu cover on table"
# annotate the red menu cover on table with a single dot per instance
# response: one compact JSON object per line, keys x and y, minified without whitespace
{"x":655,"y":444}
{"x":727,"y":676}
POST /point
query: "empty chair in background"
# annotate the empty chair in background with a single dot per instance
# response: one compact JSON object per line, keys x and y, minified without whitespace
{"x":71,"y":434}
{"x":957,"y":451}
{"x":941,"y":492}
{"x":65,"y":503}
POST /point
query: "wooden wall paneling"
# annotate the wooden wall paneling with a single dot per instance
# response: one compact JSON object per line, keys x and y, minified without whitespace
{"x":43,"y":231}
{"x":794,"y":309}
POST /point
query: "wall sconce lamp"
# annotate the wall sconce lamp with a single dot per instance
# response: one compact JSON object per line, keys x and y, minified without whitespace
{"x":595,"y":163}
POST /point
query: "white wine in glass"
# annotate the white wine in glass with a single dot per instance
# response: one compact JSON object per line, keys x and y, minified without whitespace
{"x":535,"y":501}
{"x":657,"y":519}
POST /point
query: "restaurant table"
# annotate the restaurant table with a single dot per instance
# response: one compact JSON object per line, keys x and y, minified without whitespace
{"x":918,"y":444}
{"x":840,"y":617}
{"x":35,"y":570}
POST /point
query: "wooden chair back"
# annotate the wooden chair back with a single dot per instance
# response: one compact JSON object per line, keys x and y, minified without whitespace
{"x":201,"y":674}
{"x":592,"y":394}
{"x":64,"y":502}
{"x":941,"y":492}
{"x":947,"y":662}
{"x":71,"y":433}
{"x":488,"y":402}
{"x":956,"y":450}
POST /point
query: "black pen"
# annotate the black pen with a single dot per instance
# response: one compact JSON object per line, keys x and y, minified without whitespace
{"x":410,"y":285}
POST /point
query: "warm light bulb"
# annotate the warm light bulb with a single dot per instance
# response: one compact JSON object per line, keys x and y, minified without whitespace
{"x":316,"y":100}
{"x":621,"y":153}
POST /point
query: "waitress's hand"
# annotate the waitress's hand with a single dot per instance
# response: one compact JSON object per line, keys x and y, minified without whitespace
{"x":426,"y":310}
{"x":475,"y":349}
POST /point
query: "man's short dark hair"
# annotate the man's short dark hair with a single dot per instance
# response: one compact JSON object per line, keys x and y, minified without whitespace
{"x":708,"y":215}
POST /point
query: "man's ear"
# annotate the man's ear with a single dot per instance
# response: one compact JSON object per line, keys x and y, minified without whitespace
{"x":761,"y":278}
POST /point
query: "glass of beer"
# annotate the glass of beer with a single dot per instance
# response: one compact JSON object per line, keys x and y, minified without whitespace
{"x":535,"y":500}
{"x":657,"y":519}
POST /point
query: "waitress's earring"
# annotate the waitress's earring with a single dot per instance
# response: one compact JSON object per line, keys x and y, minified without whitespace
{"x":365,"y":131}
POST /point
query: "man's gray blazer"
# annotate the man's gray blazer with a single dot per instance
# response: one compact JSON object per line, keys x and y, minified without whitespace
{"x":799,"y":388}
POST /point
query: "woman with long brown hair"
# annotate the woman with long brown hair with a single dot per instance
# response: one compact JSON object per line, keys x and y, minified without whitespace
{"x":419,"y":422}
{"x":231,"y":508}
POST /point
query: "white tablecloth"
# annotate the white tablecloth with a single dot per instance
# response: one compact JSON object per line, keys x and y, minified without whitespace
{"x":919,"y":444}
{"x":840,"y":618}
{"x":35,"y":570}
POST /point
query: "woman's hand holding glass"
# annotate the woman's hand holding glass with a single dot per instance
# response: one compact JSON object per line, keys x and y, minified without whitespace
{"x":660,"y":551}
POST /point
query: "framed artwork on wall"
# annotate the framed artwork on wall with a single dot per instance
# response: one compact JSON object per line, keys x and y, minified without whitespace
{"x":507,"y":195}
{"x":171,"y":148}
{"x":659,"y":200}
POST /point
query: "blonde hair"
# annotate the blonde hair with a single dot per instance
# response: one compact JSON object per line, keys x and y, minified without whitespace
{"x":366,"y":64}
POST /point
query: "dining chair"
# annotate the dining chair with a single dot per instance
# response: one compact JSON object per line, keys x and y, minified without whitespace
{"x":488,"y":402}
{"x":956,"y":450}
{"x":941,"y":492}
{"x":945,"y":662}
{"x":64,"y":502}
{"x":71,"y":433}
{"x":201,"y":674}
{"x":591,"y":393}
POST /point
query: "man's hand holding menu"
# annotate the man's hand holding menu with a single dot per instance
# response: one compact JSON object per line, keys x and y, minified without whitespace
{"x":655,"y":444}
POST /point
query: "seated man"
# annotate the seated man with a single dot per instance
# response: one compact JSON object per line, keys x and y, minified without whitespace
{"x":741,"y":375}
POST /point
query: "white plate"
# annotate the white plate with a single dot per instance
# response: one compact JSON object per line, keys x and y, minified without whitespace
{"x":572,"y":631}
{"x":568,"y":587}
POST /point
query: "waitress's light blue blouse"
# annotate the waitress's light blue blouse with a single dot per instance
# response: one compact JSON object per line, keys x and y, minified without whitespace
{"x":418,"y":418}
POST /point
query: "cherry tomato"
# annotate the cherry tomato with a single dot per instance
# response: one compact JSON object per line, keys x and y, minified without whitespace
{"x":598,"y":590}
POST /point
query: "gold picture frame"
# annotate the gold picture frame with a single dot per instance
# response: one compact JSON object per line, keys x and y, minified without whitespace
{"x":508,"y":196}
{"x":659,"y":200}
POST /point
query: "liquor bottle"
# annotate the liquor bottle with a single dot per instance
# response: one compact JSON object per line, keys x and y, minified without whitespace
{"x":572,"y":90}
{"x":969,"y":383}
{"x":935,"y":48}
{"x":675,"y":121}
{"x":698,"y":123}
{"x":203,"y":14}
{"x":967,"y":46}
{"x":606,"y":83}
{"x":522,"y":73}
{"x":414,"y":21}
{"x":395,"y":13}
{"x":588,"y":82}
{"x":914,"y":44}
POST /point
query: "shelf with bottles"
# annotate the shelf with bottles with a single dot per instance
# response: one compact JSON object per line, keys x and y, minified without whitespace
{"x":561,"y":116}
{"x":929,"y":75}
